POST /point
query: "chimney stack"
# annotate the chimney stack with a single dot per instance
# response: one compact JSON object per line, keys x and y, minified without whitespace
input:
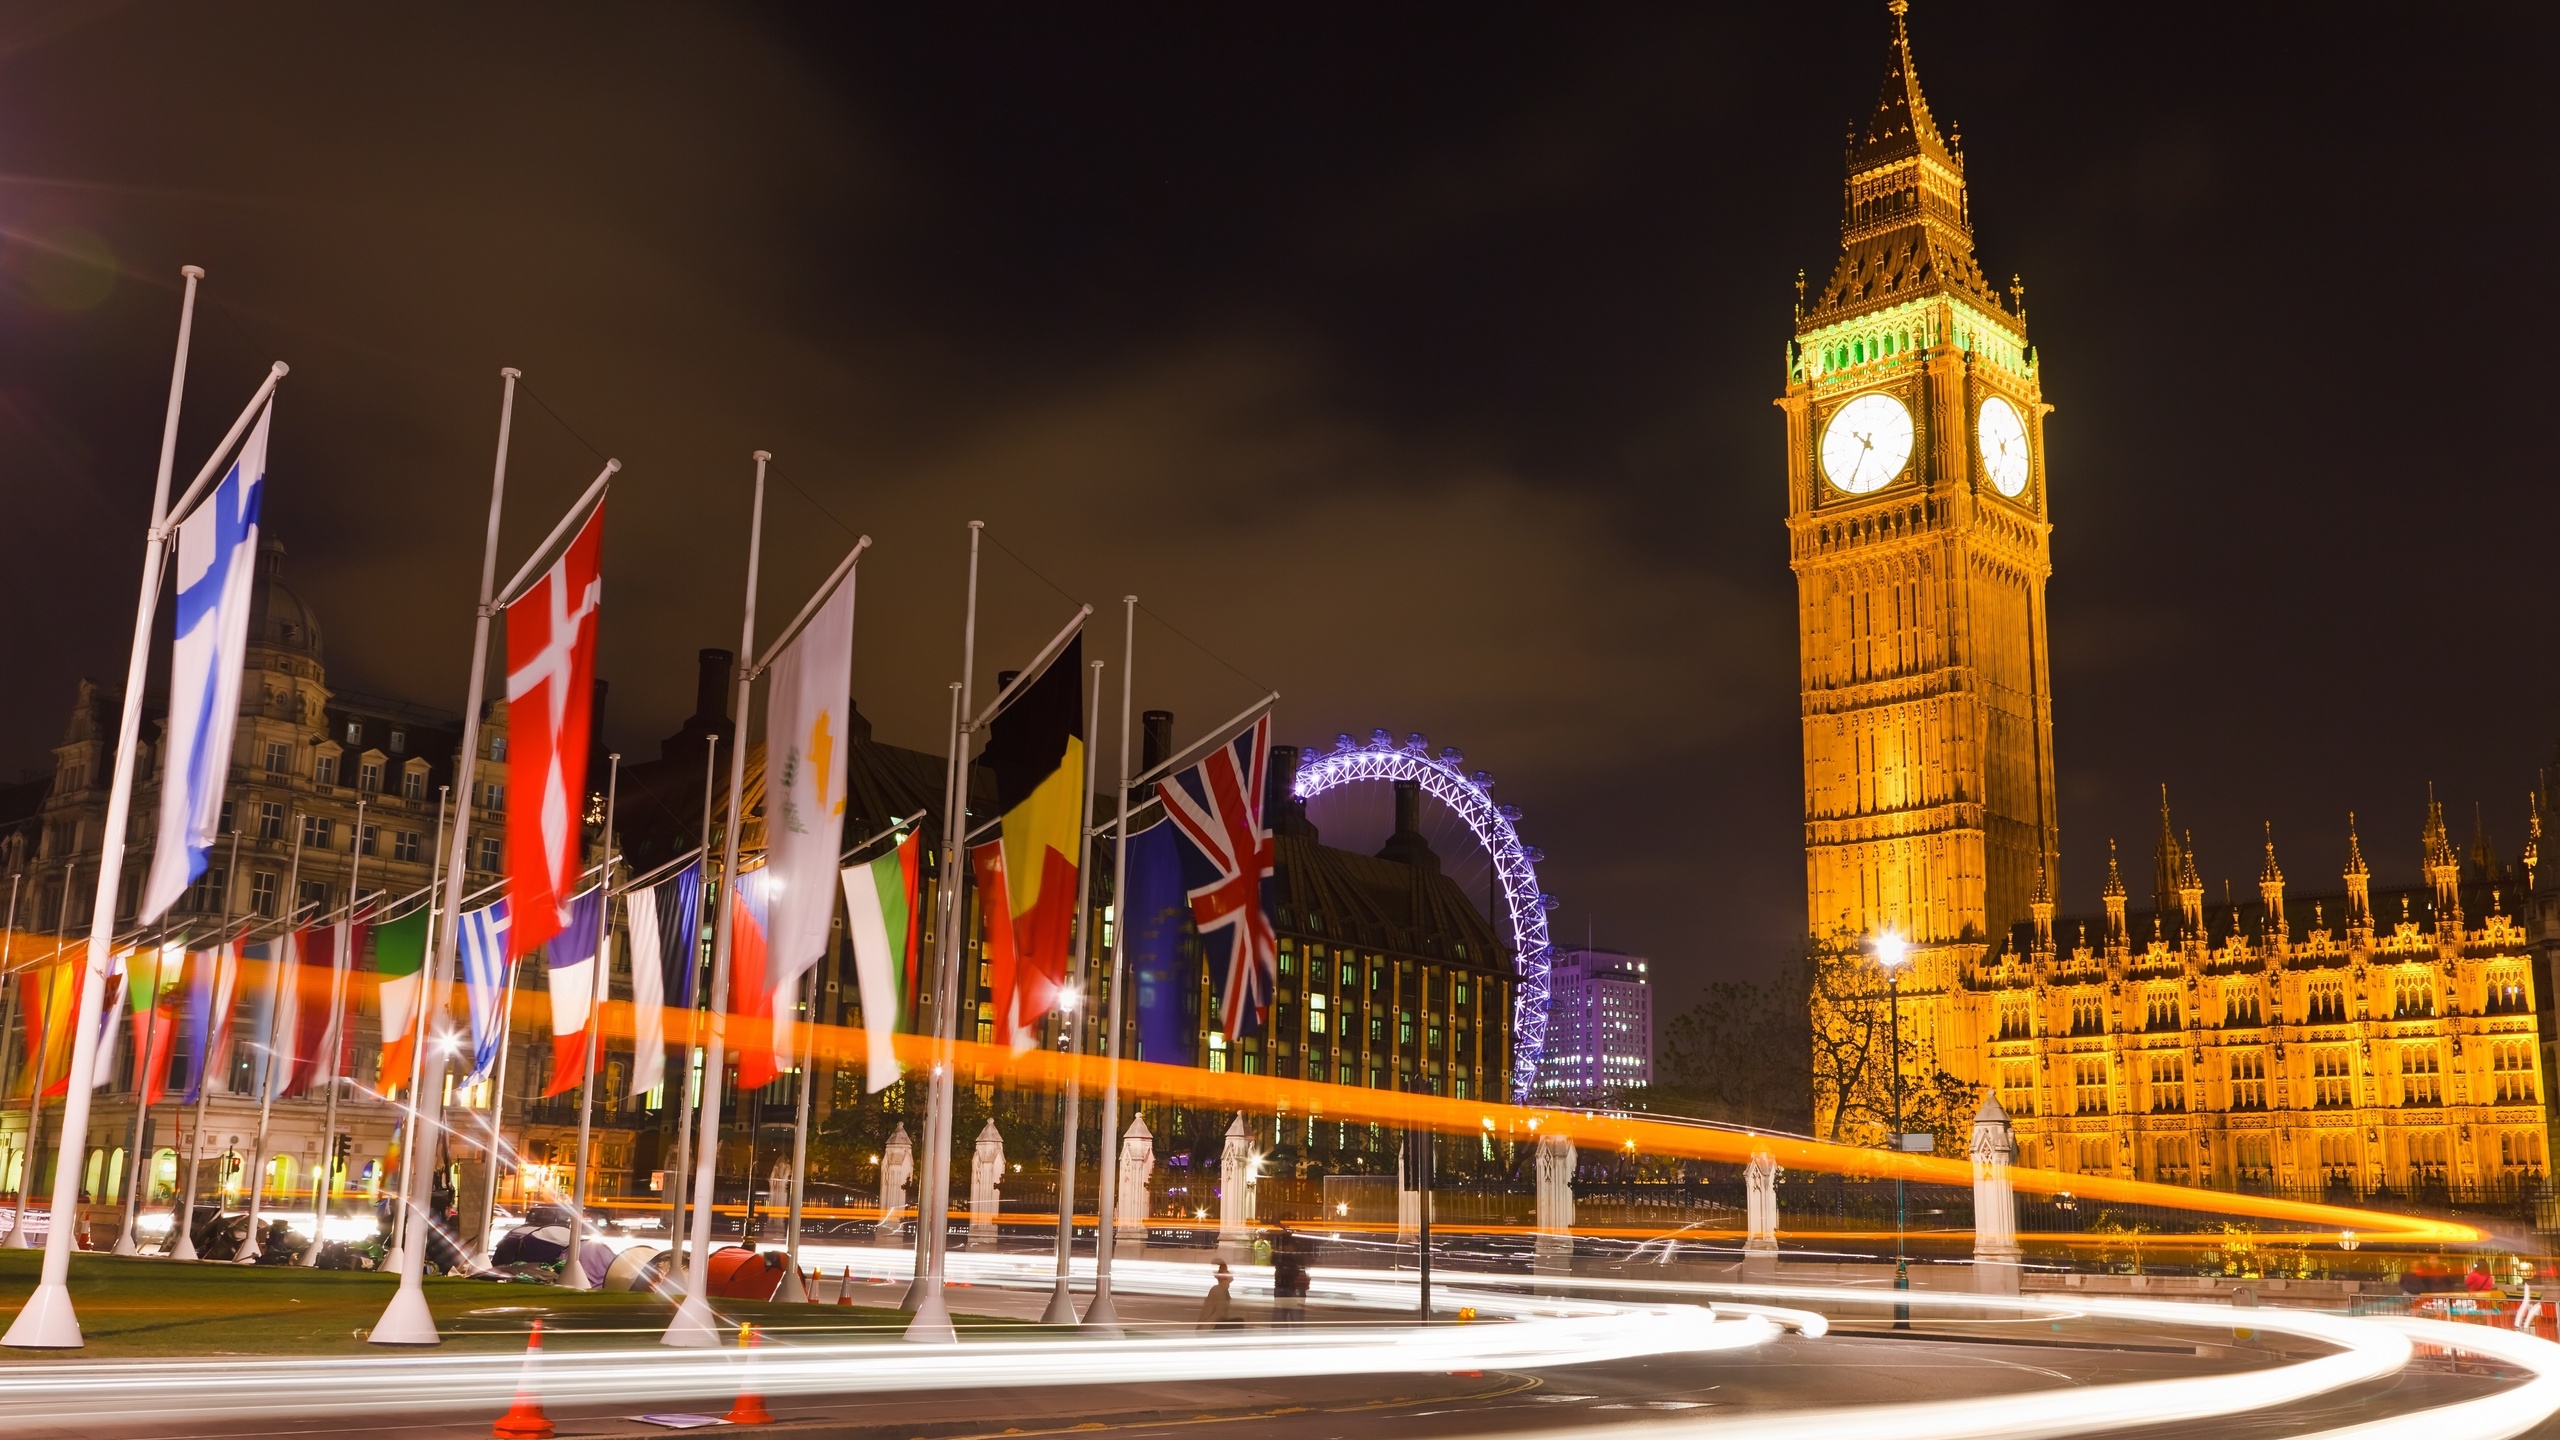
{"x":711,"y":687}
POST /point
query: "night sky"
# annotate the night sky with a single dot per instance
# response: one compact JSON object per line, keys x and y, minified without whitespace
{"x":1414,"y":361}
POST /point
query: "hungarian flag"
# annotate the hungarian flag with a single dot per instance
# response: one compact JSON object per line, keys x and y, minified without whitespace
{"x":578,"y":984}
{"x":400,"y":979}
{"x":211,"y":992}
{"x":1036,"y":749}
{"x":551,"y":676}
{"x":751,"y":999}
{"x":881,"y":918}
{"x":155,"y":1018}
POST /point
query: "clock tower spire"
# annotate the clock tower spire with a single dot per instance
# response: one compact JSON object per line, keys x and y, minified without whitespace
{"x":1919,"y":535}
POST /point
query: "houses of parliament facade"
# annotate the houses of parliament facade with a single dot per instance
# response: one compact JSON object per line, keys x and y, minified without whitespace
{"x":2346,"y":1039}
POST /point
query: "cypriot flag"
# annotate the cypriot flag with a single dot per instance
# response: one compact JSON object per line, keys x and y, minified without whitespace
{"x":804,"y":746}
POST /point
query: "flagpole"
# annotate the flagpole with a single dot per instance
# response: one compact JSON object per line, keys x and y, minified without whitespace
{"x":406,"y":1320}
{"x":1062,"y":1306}
{"x":925,"y":1130}
{"x":511,"y":970}
{"x":692,"y":1006}
{"x":35,"y":1117}
{"x":9,"y":1038}
{"x":182,"y":1245}
{"x":10,"y":1049}
{"x":933,"y":1215}
{"x":800,"y":1135}
{"x":135,"y":1159}
{"x":334,"y":1036}
{"x":694,"y":1327}
{"x":285,"y":944}
{"x":48,"y":1321}
{"x":35,"y":1108}
{"x":573,"y":1275}
{"x":1101,"y":1314}
{"x":428,"y":1003}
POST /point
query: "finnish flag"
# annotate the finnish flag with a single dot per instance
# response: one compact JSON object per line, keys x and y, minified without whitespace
{"x":217,"y":560}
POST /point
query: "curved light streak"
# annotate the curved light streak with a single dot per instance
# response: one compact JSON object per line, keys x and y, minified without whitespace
{"x":1496,"y":828}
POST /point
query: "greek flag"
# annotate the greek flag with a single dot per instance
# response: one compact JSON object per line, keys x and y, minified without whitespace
{"x":484,"y":981}
{"x":217,"y":558}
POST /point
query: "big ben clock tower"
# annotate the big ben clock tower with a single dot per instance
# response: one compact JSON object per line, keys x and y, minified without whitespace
{"x":1917,"y":527}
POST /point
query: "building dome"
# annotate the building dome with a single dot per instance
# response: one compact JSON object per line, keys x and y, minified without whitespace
{"x":277,"y":616}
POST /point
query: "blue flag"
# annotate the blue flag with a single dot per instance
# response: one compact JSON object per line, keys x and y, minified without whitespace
{"x":217,"y":560}
{"x":484,"y":982}
{"x":1164,"y":951}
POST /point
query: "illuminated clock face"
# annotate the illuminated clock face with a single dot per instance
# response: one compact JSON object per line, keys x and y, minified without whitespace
{"x":1867,"y":444}
{"x":2004,"y":446}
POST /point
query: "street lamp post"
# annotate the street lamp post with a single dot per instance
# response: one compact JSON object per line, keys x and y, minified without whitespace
{"x":1891,"y":955}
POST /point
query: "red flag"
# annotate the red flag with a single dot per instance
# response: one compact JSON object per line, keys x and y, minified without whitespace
{"x":1005,"y":970}
{"x":751,"y":997}
{"x":551,"y":668}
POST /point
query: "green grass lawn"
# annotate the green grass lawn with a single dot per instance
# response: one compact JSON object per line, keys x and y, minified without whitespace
{"x":140,"y":1308}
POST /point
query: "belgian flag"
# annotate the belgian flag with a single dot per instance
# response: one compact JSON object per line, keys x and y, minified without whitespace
{"x":1036,"y":750}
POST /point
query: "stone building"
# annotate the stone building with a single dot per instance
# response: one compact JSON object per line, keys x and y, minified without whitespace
{"x":307,"y":761}
{"x":2355,"y":1040}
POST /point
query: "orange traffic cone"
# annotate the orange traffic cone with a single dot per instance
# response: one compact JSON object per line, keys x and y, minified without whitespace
{"x":844,"y":1296}
{"x":524,"y":1420}
{"x":750,"y":1407}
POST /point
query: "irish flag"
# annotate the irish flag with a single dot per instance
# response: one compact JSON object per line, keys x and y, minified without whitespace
{"x":400,"y":975}
{"x":880,"y":917}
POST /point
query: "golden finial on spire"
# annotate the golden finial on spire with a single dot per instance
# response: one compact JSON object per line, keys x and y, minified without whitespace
{"x":1899,"y":8}
{"x":2272,"y":873}
{"x":2115,"y":878}
{"x":2355,"y":851}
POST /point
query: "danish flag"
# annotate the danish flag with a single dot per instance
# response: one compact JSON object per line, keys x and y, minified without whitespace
{"x":551,"y":668}
{"x":1216,"y":809}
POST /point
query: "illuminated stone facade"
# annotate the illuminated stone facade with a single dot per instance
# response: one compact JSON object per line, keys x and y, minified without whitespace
{"x":2351,"y":1040}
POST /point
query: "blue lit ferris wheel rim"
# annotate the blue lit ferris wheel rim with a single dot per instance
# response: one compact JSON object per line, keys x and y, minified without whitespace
{"x":1383,"y":760}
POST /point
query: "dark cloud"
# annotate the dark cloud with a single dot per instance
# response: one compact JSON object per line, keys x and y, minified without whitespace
{"x":1415,"y":361}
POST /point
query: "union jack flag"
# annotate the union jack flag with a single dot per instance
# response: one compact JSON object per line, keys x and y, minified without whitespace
{"x":1216,"y":809}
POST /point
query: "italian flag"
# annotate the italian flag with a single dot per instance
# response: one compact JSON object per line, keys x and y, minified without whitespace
{"x":880,"y":916}
{"x":399,"y":967}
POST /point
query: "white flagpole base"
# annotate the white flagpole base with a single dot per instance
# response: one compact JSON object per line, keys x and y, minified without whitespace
{"x":694,"y":1328}
{"x":17,"y":1236}
{"x":47,"y":1323}
{"x":406,"y":1320}
{"x":932,"y":1325}
{"x":1101,"y":1319}
{"x":185,"y":1248}
{"x":124,"y":1243}
{"x":573,"y":1270}
{"x":1062,"y":1306}
{"x":792,"y":1291}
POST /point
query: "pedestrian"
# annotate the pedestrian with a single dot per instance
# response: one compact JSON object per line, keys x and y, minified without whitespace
{"x":1288,"y":1279}
{"x":1218,"y":1307}
{"x":2478,"y":1280}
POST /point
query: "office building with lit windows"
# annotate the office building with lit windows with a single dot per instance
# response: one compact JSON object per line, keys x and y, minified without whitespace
{"x":1599,"y":1027}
